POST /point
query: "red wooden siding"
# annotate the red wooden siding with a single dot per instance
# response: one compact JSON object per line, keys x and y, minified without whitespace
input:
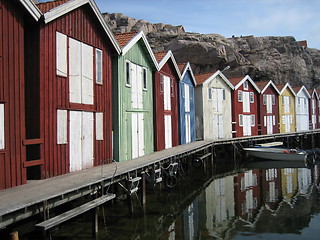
{"x":263,"y":111}
{"x":11,"y":92}
{"x":167,"y":70}
{"x":80,"y":24}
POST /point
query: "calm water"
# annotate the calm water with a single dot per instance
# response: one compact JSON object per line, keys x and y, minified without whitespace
{"x":274,"y":202}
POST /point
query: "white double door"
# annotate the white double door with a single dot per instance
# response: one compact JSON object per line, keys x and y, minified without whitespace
{"x":137,"y":128}
{"x":218,"y":130}
{"x":269,"y":124}
{"x":247,"y":125}
{"x":81,"y":140}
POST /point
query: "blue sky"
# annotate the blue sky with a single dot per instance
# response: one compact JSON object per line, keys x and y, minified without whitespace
{"x":298,"y":18}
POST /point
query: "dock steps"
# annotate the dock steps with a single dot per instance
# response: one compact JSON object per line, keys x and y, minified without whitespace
{"x":45,"y":225}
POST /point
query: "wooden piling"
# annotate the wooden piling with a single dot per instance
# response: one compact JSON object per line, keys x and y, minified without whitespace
{"x":14,"y":236}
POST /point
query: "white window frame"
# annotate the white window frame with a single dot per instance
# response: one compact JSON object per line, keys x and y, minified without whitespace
{"x":245,"y":85}
{"x":240,"y":120}
{"x":128,"y":73}
{"x":253,"y":120}
{"x":223,"y":94}
{"x":240,"y":96}
{"x":145,"y":79}
{"x":251,"y":97}
{"x":210,"y":93}
{"x":99,"y":66}
{"x":2,"y":127}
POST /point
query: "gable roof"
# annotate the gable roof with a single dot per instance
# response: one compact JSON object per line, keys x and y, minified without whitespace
{"x":31,"y":8}
{"x":263,"y":85}
{"x":55,"y":9}
{"x":204,"y":79}
{"x":164,"y":57}
{"x":124,"y":38}
{"x":313,"y":92}
{"x":128,"y":40}
{"x":238,"y":81}
{"x":299,"y":89}
{"x":184,"y":67}
{"x":282,"y":88}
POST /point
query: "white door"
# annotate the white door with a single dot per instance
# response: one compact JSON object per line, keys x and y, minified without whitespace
{"x":269,"y":124}
{"x":287,"y":123}
{"x":188,"y":128}
{"x":137,"y":120}
{"x":167,"y":131}
{"x":246,"y":125}
{"x":81,"y":140}
{"x":167,"y":93}
{"x":246,"y":102}
{"x":218,"y":130}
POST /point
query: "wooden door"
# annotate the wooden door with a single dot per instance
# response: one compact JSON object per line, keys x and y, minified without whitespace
{"x":168,"y":131}
{"x":188,"y":128}
{"x":287,"y":123}
{"x":269,"y":124}
{"x":137,"y":129}
{"x":246,"y":125}
{"x":246,"y":102}
{"x":81,"y":140}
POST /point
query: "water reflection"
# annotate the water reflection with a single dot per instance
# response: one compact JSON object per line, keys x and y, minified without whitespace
{"x":257,"y":203}
{"x":269,"y":202}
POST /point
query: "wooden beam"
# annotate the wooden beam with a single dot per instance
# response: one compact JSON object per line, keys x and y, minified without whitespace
{"x":45,"y":225}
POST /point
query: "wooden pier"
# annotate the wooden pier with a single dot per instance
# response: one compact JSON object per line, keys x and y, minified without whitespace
{"x":42,"y":196}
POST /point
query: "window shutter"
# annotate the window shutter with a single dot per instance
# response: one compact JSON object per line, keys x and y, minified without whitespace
{"x":61,"y":54}
{"x":99,"y":126}
{"x":62,"y":126}
{"x":2,"y":131}
{"x":87,"y":74}
{"x":75,"y":71}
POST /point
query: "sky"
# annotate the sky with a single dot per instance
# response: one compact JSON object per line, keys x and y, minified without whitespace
{"x":297,"y":18}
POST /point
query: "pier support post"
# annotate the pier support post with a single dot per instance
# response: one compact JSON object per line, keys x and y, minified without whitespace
{"x":143,"y":191}
{"x":95,"y":222}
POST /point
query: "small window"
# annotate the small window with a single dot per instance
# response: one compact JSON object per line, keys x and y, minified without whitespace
{"x":273,"y":100}
{"x":264,"y":99}
{"x":239,"y":96}
{"x":209,"y":93}
{"x":98,"y":66}
{"x":240,"y":120}
{"x":182,"y":90}
{"x":190,"y":94}
{"x":161,"y":83}
{"x":246,"y":85}
{"x":171,"y":87}
{"x":128,"y":74}
{"x":251,"y":97}
{"x":145,"y":82}
{"x":223,"y":94}
{"x":253,"y":120}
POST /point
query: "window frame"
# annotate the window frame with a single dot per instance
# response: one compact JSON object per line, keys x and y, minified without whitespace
{"x":240,"y":96}
{"x":99,"y":66}
{"x":128,"y":73}
{"x":144,"y":79}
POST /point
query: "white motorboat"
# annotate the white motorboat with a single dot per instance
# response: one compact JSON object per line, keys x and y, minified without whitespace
{"x":276,"y":153}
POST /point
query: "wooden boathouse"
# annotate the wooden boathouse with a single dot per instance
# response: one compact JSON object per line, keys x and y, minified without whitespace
{"x":166,"y":101}
{"x":287,"y":112}
{"x":187,"y":115}
{"x":268,"y":108}
{"x":314,"y":108}
{"x":16,"y":17}
{"x":133,"y":120}
{"x":214,"y":106}
{"x":302,"y":108}
{"x":69,"y":110}
{"x":245,"y":106}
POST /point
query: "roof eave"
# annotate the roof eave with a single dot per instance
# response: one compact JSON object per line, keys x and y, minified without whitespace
{"x":166,"y":58}
{"x":74,"y":4}
{"x":32,"y":9}
{"x":186,"y":68}
{"x":134,"y":40}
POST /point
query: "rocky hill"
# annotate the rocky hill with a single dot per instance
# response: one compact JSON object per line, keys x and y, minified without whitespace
{"x":281,"y":59}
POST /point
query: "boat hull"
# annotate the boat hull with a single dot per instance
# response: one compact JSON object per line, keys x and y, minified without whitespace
{"x":276,"y":154}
